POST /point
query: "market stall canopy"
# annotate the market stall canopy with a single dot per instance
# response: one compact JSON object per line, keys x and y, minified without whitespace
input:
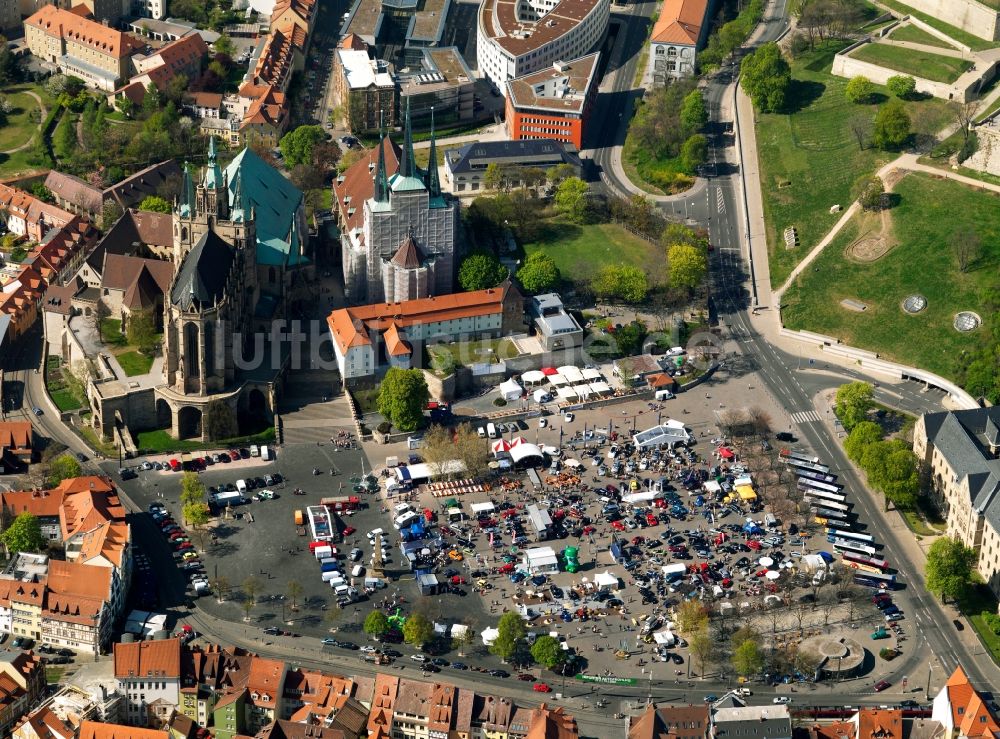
{"x":558,"y":380}
{"x":765,"y":561}
{"x":567,"y":393}
{"x":726,"y":453}
{"x":510,"y":390}
{"x":746,"y":492}
{"x":548,"y":371}
{"x":601,"y":388}
{"x":523,"y":451}
{"x":592,"y":373}
{"x":772,"y":575}
{"x":572,"y":373}
{"x":500,"y":446}
{"x":533,"y":376}
{"x":573,"y":463}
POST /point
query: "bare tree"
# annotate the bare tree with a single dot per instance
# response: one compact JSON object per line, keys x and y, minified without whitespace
{"x":861,"y":125}
{"x":966,"y":115}
{"x":968,"y":246}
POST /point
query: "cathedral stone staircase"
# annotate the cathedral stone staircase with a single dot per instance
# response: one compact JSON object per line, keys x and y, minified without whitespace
{"x":313,"y":408}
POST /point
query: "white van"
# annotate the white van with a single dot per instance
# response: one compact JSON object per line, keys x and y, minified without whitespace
{"x":404,"y":520}
{"x":770,"y":521}
{"x":400,"y":508}
{"x":254,"y":450}
{"x":241,"y":487}
{"x":664,"y":395}
{"x":375,"y":532}
{"x":375,"y":583}
{"x":491,"y":430}
{"x":357,"y":571}
{"x":265,"y":453}
{"x":482,"y":432}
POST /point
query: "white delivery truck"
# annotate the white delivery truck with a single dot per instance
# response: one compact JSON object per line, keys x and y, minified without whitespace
{"x":491,"y":430}
{"x":404,"y":520}
{"x":265,"y":453}
{"x":241,"y":487}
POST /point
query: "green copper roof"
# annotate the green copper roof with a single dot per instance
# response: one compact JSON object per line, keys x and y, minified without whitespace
{"x":399,"y":183}
{"x":275,"y":201}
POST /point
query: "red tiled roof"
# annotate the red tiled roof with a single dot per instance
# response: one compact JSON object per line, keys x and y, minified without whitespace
{"x":358,"y":184}
{"x":70,"y":25}
{"x":161,"y":658}
{"x":680,"y":22}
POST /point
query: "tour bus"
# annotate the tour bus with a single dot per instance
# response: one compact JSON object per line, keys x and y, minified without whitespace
{"x":818,"y":476}
{"x":829,"y":513}
{"x":830,"y":487}
{"x":866,"y":538}
{"x":854,"y":547}
{"x":875,"y":579}
{"x":822,"y":494}
{"x":813,"y":500}
{"x":861,"y":562}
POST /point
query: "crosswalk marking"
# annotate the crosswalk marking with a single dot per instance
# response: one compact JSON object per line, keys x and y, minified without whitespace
{"x":805,"y":416}
{"x":720,"y":201}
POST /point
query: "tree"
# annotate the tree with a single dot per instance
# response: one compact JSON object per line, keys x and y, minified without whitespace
{"x":691,"y":617}
{"x":539,"y":273}
{"x":480,"y":270}
{"x":702,"y":648}
{"x":766,"y":76}
{"x":861,"y":437}
{"x":101,"y":312}
{"x":376,"y":624}
{"x":224,"y":45}
{"x":950,"y":567}
{"x":861,"y":126}
{"x":688,"y":266}
{"x":559,"y":172}
{"x":902,"y":86}
{"x":63,"y":467}
{"x":860,"y":90}
{"x":630,"y":338}
{"x":155,"y":203}
{"x":418,"y":629}
{"x":870,"y":190}
{"x":297,"y":145}
{"x":196,"y":514}
{"x":694,"y":152}
{"x":853,"y":402}
{"x":221,"y":586}
{"x":64,"y":137}
{"x":694,"y":115}
{"x":23,"y":535}
{"x":470,"y":450}
{"x":892,"y":125}
{"x":402,"y":397}
{"x":511,"y":631}
{"x":966,"y":115}
{"x":220,"y":421}
{"x":968,"y":246}
{"x":141,"y":331}
{"x":892,"y":468}
{"x":151,"y":100}
{"x":8,"y":63}
{"x":40,"y":191}
{"x":496,"y":178}
{"x":748,"y":659}
{"x":621,"y":281}
{"x":548,"y":652}
{"x":294,"y":590}
{"x":571,"y":199}
{"x":192,"y":488}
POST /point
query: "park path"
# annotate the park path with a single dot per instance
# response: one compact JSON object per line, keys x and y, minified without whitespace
{"x":31,"y":138}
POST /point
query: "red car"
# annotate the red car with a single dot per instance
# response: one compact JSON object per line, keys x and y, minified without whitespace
{"x":651,"y":519}
{"x":506,"y":569}
{"x":637,"y":540}
{"x":445,"y":530}
{"x":234,"y":454}
{"x":588,"y":530}
{"x":349,"y":530}
{"x":755,"y":545}
{"x":458,"y":580}
{"x":183,"y":546}
{"x":543,"y":688}
{"x":617,"y":525}
{"x":175,"y":466}
{"x":882,"y":685}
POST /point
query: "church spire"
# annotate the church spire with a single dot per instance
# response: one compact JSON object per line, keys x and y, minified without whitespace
{"x":408,"y":164}
{"x":239,"y":212}
{"x":381,"y":180}
{"x":187,"y":192}
{"x":213,"y":175}
{"x":433,"y":184}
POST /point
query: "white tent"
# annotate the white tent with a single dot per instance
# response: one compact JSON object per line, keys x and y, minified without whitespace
{"x":664,"y":638}
{"x":567,"y":393}
{"x":558,"y":380}
{"x":533,"y":376}
{"x":483,"y":507}
{"x":572,"y":373}
{"x":606,"y":581}
{"x":812,"y":563}
{"x":601,"y":388}
{"x":592,"y":373}
{"x":572,"y":463}
{"x":510,"y":390}
{"x":489,"y":635}
{"x":523,"y":451}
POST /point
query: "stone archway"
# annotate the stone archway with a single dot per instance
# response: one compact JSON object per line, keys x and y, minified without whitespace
{"x":188,"y":422}
{"x":164,"y":415}
{"x":254,"y":414}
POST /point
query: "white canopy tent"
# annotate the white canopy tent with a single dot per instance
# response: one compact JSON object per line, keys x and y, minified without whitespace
{"x":572,"y":373}
{"x":489,"y":635}
{"x":567,"y":393}
{"x":519,"y":452}
{"x":510,"y":390}
{"x":606,"y":581}
{"x":592,"y":373}
{"x":600,"y":388}
{"x":558,"y":380}
{"x":533,"y":377}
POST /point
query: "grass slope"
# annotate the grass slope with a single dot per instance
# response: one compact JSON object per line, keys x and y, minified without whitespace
{"x":581,"y":251}
{"x":932,"y":67}
{"x":922,"y":262}
{"x":918,"y":36}
{"x":973,"y":42}
{"x":809,"y":159}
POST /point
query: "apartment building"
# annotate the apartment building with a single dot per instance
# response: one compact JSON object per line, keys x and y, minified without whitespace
{"x":962,"y":711}
{"x":22,"y":683}
{"x":74,"y":43}
{"x":961,"y":451}
{"x":77,"y":610}
{"x":17,"y":445}
{"x":364,"y":89}
{"x":27,"y":215}
{"x":266,"y":688}
{"x":210,"y":676}
{"x":148,"y":674}
{"x":680,"y":31}
{"x":553,"y":103}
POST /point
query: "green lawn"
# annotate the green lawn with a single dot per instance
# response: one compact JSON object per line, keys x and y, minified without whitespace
{"x":658,"y":176}
{"x":932,"y":67}
{"x":160,"y":441}
{"x":423,"y":156}
{"x":973,"y":42}
{"x":918,"y":36}
{"x":22,"y":122}
{"x":111,"y":332}
{"x":976,"y":605}
{"x":922,"y":262}
{"x":467,"y":353}
{"x":107,"y":448}
{"x":580,"y":251}
{"x":134,"y":363}
{"x":809,"y":159}
{"x":65,"y":399}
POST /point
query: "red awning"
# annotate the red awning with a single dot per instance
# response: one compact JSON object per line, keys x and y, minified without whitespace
{"x":549,"y":371}
{"x":726,"y":453}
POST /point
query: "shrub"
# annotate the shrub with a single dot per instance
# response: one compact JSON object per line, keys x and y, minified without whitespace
{"x":499,"y":402}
